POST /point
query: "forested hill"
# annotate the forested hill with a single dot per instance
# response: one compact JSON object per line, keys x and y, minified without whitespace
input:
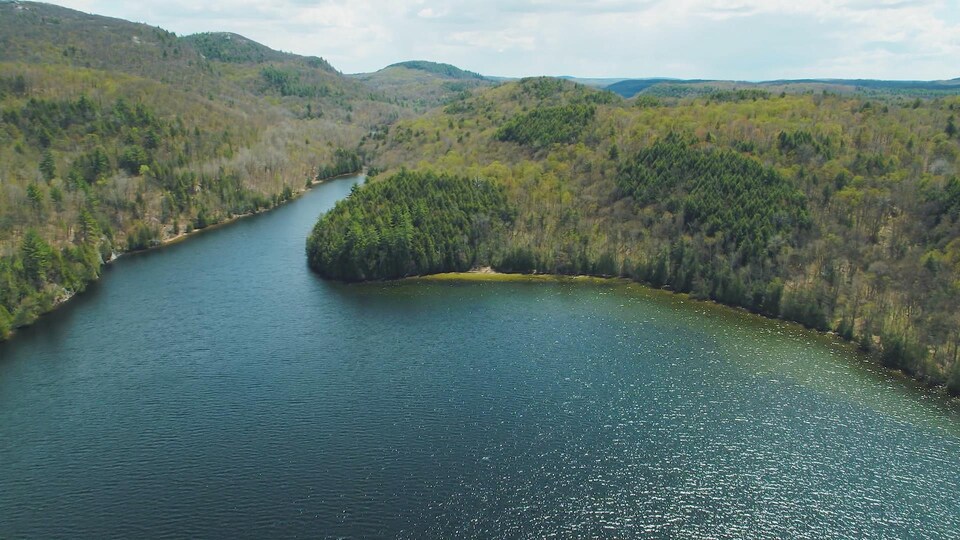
{"x":443,"y":70}
{"x":236,"y":49}
{"x":423,"y":85}
{"x":116,"y":136}
{"x":841,"y":212}
{"x":688,"y":87}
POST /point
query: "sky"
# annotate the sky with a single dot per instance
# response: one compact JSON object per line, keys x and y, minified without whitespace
{"x":716,"y":39}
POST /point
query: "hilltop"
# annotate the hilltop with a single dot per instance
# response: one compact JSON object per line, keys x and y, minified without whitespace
{"x":422,"y":85}
{"x":445,"y":71}
{"x":233,"y":48}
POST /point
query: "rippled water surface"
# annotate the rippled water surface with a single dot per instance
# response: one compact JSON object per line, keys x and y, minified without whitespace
{"x":217,"y":388}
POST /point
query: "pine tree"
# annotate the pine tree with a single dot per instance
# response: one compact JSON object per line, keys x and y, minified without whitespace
{"x":48,"y":168}
{"x":36,"y":196}
{"x":37,"y":255}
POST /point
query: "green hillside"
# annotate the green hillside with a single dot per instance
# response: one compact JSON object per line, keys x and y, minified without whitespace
{"x":836,"y":211}
{"x":420,"y":85}
{"x":117,"y":136}
{"x":445,"y":71}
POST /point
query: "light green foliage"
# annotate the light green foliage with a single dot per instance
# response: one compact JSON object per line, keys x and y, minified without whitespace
{"x":839,"y":212}
{"x":115,"y":135}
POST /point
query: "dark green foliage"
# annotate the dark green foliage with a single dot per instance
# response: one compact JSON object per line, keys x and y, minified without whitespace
{"x":132,"y":159}
{"x":803,"y":144}
{"x":98,"y":140}
{"x":409,"y":224}
{"x":772,"y":296}
{"x":230,"y":48}
{"x":898,"y":352}
{"x":743,"y":94}
{"x":951,"y":129}
{"x":547,"y":125}
{"x":444,"y":70}
{"x":734,"y":217}
{"x":345,"y":162}
{"x":36,"y":255}
{"x":599,"y":98}
{"x":32,"y":278}
{"x":236,"y":49}
{"x":91,"y":166}
{"x":518,"y":260}
{"x":48,"y":168}
{"x":6,"y":323}
{"x":46,"y":121}
{"x":287,"y":82}
{"x":645,"y":101}
{"x":630,"y":88}
{"x":802,"y":306}
{"x":845,"y":329}
{"x":15,"y":85}
{"x":35,"y":196}
{"x":543,"y":87}
{"x":953,"y":382}
{"x":948,"y":200}
{"x":89,"y":232}
{"x":718,"y":193}
{"x":42,"y":120}
{"x":143,"y":237}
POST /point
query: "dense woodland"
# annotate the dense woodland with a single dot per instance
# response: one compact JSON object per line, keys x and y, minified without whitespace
{"x":836,"y":211}
{"x":411,"y":224}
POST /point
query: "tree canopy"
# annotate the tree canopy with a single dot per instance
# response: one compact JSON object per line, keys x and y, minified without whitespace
{"x":410,"y":224}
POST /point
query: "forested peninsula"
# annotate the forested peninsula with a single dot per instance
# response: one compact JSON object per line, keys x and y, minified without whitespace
{"x":837,"y":211}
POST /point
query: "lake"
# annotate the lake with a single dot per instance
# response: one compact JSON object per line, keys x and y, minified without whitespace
{"x":218,"y":388}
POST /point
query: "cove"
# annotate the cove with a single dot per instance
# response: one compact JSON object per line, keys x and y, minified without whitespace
{"x":217,"y":388}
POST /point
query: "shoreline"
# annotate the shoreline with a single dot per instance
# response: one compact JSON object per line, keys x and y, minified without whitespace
{"x":489,"y":275}
{"x":65,"y":296}
{"x":180,"y":237}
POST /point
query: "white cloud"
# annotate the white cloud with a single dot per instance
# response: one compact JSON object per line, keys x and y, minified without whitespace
{"x":499,"y":41}
{"x":743,"y":39}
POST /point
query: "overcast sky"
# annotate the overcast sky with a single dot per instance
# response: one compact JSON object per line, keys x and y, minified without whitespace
{"x":728,"y":39}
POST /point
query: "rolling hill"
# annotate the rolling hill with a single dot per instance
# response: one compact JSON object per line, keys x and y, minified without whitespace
{"x":629,"y":88}
{"x":838,"y":211}
{"x":422,"y":85}
{"x":117,"y":136}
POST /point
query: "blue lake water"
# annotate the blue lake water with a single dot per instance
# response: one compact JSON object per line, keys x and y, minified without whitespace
{"x":217,"y":388}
